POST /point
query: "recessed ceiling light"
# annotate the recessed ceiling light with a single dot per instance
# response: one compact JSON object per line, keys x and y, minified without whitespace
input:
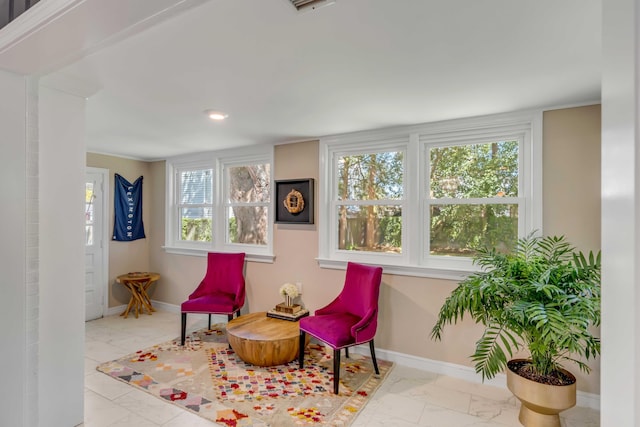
{"x":216,"y":115}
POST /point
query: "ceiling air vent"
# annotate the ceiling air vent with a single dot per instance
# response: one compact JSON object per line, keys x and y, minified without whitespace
{"x":310,"y":4}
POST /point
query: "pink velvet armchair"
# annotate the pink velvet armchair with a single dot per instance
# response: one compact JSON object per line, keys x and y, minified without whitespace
{"x":350,"y":319}
{"x":220,"y":292}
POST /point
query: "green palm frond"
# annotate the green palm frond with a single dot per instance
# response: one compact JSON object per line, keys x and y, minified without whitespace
{"x":544,"y":297}
{"x":492,"y":348}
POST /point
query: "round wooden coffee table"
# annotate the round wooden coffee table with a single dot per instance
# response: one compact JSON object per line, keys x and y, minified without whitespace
{"x":264,"y":341}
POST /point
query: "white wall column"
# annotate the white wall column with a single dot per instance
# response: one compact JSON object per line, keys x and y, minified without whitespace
{"x":62,"y":191}
{"x":13,"y":191}
{"x":620,"y":362}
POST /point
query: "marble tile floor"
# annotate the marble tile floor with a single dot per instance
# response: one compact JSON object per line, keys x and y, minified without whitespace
{"x":408,"y":397}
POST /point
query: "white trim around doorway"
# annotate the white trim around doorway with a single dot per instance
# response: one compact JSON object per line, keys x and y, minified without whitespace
{"x":104,"y":237}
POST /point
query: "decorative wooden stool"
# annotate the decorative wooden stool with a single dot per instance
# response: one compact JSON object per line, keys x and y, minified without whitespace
{"x":137,"y":284}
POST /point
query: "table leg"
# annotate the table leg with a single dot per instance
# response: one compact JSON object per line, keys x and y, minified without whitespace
{"x":137,"y":305}
{"x":132,"y":301}
{"x":145,"y":297}
{"x":136,"y":302}
{"x":140,"y":303}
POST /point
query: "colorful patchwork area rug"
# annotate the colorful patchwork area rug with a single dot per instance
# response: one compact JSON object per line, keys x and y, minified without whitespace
{"x":208,"y":378}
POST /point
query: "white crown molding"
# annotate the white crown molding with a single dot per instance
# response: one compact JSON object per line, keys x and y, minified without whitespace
{"x":54,"y":33}
{"x":29,"y":22}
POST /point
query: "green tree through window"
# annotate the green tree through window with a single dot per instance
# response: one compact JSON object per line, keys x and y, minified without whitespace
{"x":220,"y":201}
{"x":195,"y":204}
{"x":247,"y":205}
{"x":370,"y":188}
{"x":421,"y":200}
{"x":473,"y":197}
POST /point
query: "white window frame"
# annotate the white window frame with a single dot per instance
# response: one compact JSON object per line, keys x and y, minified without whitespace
{"x":385,"y":144}
{"x":173,"y":226}
{"x":218,"y":161}
{"x":235,"y":160}
{"x":415,"y":260}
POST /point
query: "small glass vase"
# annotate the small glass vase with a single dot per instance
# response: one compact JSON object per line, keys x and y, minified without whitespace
{"x":288,"y":301}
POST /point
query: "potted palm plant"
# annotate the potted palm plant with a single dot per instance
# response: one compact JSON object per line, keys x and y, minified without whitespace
{"x":544,"y":297}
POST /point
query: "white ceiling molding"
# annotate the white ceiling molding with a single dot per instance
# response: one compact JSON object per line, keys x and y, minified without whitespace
{"x":54,"y":33}
{"x":27,"y":23}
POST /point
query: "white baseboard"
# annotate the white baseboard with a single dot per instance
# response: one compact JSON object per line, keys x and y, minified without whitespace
{"x":112,"y":311}
{"x":163,"y":306}
{"x":587,"y":400}
{"x":171,"y":308}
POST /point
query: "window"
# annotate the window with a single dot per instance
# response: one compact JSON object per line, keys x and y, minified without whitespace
{"x":195,"y":204}
{"x":472,"y":197}
{"x":247,"y":203}
{"x":421,"y":200}
{"x":220,"y":201}
{"x":369,"y":201}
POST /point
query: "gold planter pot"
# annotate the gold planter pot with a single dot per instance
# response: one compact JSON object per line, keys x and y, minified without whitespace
{"x":541,"y":403}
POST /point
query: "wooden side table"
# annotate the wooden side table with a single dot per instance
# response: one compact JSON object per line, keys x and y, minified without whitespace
{"x":137,"y":284}
{"x":264,"y":341}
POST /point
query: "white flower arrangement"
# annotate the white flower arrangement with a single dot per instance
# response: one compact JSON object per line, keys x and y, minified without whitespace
{"x":289,"y":290}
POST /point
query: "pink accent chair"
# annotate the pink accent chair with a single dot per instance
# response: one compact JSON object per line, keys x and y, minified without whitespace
{"x":220,"y":292}
{"x":350,"y":319}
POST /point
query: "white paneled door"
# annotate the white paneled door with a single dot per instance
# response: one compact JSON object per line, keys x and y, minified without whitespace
{"x":95,"y":243}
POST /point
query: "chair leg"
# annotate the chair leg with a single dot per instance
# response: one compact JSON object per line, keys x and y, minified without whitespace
{"x":229,"y":319}
{"x":346,"y":352}
{"x":184,"y":328}
{"x":336,"y":370}
{"x":209,"y":321}
{"x":303,"y":338}
{"x":373,"y":357}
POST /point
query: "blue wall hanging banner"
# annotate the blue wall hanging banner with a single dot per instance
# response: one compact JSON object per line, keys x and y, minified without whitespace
{"x":127,"y":202}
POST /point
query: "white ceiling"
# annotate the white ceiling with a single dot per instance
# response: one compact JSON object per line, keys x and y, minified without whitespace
{"x":287,"y":76}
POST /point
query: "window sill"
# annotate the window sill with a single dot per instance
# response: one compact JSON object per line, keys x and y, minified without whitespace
{"x":403,"y":270}
{"x":203,"y":252}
